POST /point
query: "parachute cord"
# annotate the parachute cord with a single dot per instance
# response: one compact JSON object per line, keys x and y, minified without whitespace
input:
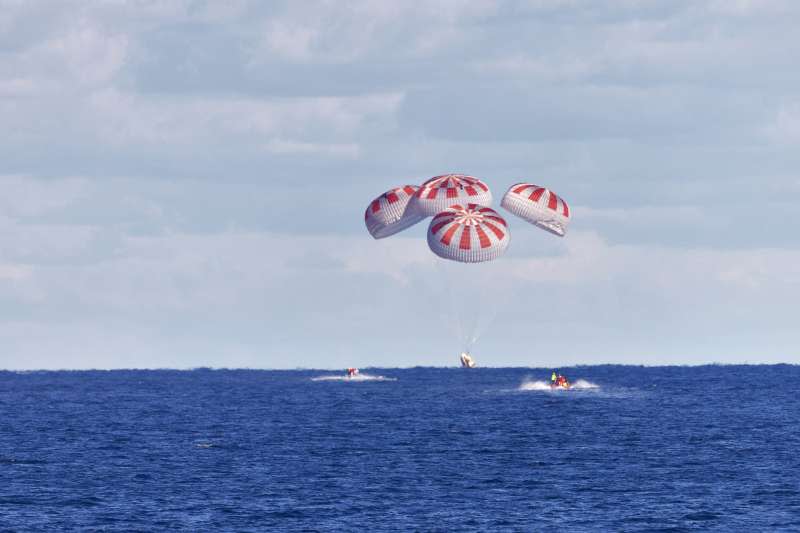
{"x":447,"y":303}
{"x":488,"y":304}
{"x":469,"y":304}
{"x":457,"y":309}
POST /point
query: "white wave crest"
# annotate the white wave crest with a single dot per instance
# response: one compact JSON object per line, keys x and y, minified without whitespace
{"x":357,"y":377}
{"x":531,"y":385}
{"x":583,"y":384}
{"x":535,"y":385}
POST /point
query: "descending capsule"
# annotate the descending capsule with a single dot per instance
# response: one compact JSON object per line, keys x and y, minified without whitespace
{"x":440,"y":192}
{"x":539,"y":206}
{"x":390,"y":212}
{"x":469,"y":233}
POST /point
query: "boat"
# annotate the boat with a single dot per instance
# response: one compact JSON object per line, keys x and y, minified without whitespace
{"x":467,"y":361}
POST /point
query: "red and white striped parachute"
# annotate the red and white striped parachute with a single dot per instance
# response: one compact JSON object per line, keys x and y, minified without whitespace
{"x":470,"y":234}
{"x":440,"y":192}
{"x":390,"y":213}
{"x":539,"y":206}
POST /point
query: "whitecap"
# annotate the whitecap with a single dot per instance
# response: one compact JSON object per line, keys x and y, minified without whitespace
{"x":356,"y":378}
{"x":531,"y":385}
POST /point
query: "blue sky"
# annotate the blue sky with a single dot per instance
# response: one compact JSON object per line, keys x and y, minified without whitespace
{"x":184,"y":182}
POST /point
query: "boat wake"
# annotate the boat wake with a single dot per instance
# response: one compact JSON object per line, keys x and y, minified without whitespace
{"x":356,"y":378}
{"x":580,"y":384}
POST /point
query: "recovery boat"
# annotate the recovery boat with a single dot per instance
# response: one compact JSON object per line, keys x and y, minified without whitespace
{"x":560,"y":382}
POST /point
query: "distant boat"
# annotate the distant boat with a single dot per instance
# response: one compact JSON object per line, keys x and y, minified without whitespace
{"x":467,"y":361}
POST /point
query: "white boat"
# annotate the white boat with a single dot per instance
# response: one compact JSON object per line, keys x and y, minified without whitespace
{"x":467,"y":361}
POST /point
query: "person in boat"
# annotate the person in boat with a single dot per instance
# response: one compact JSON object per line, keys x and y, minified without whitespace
{"x":352,"y":372}
{"x":553,"y":378}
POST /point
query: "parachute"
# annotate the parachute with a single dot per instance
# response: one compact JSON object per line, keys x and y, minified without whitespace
{"x":440,"y":192}
{"x":539,"y":206}
{"x":464,"y":230}
{"x":470,"y":234}
{"x":389,"y":213}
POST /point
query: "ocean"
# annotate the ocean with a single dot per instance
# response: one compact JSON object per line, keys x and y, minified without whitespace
{"x":710,"y":448}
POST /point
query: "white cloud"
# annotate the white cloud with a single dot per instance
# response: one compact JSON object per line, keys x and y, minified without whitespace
{"x":785,"y":128}
{"x":128,"y":121}
{"x":750,"y":8}
{"x":26,"y":196}
{"x":393,"y":258}
{"x":226,"y":279}
{"x":589,"y":258}
{"x":542,"y":68}
{"x":347,"y":150}
{"x":91,"y":57}
{"x":14,"y":272}
{"x":291,"y":41}
{"x":78,"y":55}
{"x":16,"y":87}
{"x":337,"y":32}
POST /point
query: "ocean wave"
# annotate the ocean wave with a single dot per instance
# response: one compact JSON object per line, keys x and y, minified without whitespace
{"x":540,"y":385}
{"x":356,"y":378}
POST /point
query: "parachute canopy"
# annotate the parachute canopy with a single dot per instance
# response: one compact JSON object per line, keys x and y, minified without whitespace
{"x":539,"y":206}
{"x":468,"y":234}
{"x":390,"y":213}
{"x":440,"y":192}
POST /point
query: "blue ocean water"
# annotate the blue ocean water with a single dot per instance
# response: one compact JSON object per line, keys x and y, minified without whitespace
{"x":713,"y":448}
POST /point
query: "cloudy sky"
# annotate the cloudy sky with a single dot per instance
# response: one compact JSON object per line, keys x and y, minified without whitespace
{"x":183,"y":183}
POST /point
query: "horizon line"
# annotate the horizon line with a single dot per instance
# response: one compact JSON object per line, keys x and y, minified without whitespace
{"x":333,"y":369}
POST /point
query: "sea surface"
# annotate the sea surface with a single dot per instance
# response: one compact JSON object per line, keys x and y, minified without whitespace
{"x":712,"y":448}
